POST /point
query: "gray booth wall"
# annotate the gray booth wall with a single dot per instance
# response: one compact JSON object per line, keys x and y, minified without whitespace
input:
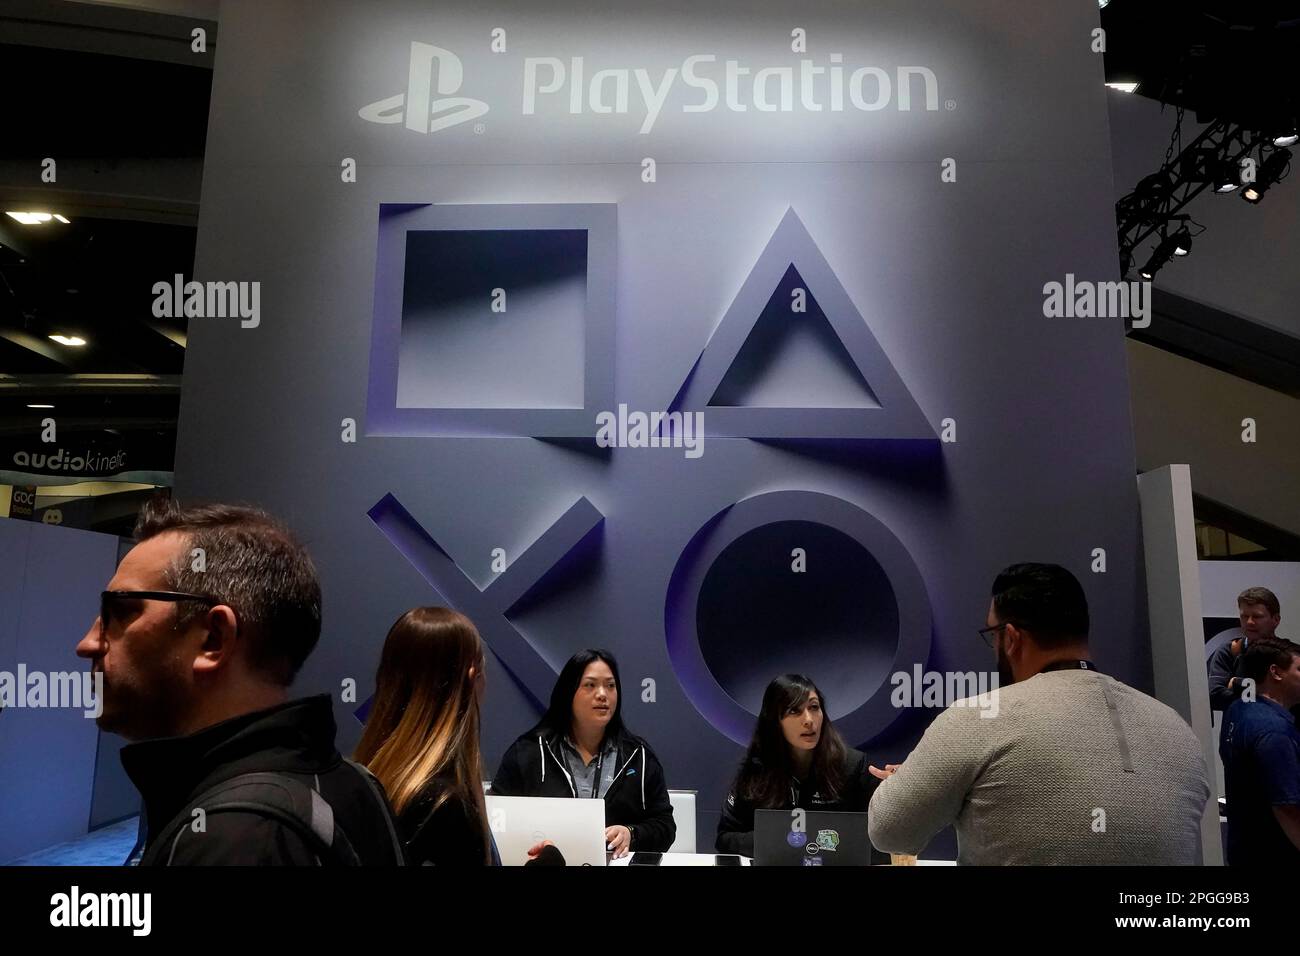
{"x":946,"y":276}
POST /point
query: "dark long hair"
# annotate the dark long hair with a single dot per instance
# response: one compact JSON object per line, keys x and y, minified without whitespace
{"x":764,"y":777}
{"x":559,"y":715}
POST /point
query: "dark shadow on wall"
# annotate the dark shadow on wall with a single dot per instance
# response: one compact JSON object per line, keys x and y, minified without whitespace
{"x":915,"y":464}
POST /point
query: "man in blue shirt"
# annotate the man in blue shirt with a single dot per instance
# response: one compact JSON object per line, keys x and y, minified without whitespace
{"x":1260,"y":747}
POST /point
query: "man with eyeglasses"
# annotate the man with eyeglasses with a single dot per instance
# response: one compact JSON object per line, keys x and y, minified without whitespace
{"x":201,"y":631}
{"x":1069,"y":767}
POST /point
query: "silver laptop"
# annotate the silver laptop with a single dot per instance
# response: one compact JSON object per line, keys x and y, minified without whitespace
{"x":576,"y":827}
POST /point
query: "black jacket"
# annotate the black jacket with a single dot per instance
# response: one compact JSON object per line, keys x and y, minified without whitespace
{"x":1224,"y":665}
{"x":736,"y":828}
{"x":451,"y":835}
{"x":533,"y":766}
{"x":295,"y":738}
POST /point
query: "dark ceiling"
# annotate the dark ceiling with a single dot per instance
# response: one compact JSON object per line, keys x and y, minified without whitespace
{"x":93,"y":277}
{"x":99,"y":106}
{"x":1220,"y":59}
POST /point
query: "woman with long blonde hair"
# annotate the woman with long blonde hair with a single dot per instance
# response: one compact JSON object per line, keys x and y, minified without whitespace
{"x":422,"y":736}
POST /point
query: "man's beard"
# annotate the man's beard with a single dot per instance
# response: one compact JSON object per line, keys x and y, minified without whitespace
{"x":136,"y":715}
{"x":1005,"y":677}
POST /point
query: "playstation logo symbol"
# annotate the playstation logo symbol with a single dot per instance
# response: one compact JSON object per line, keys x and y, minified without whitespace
{"x":431,"y":67}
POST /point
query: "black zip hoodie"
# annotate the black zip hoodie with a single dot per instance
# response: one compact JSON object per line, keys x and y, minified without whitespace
{"x":533,"y":766}
{"x":736,"y":828}
{"x":295,"y":738}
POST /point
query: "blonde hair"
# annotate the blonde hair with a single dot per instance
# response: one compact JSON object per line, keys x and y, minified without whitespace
{"x":425,"y":719}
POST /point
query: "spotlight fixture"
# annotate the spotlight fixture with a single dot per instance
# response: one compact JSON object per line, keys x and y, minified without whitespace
{"x":74,"y":341}
{"x":1154,"y":264}
{"x":1182,"y":241}
{"x":1225,"y":177}
{"x":1154,"y":187}
{"x":1169,"y":247}
{"x":1273,"y":169}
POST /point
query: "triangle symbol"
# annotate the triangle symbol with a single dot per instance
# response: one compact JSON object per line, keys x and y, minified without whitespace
{"x":793,"y":359}
{"x":768,"y":367}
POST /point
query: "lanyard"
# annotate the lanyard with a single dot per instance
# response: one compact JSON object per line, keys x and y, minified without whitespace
{"x":600,"y":762}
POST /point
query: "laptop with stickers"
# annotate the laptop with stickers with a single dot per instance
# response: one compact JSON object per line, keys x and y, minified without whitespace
{"x":813,"y":838}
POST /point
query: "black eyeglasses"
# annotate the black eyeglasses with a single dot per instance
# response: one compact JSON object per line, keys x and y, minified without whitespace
{"x":106,"y":599}
{"x":987,"y":632}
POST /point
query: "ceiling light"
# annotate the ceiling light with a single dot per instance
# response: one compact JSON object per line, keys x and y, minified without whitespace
{"x":75,"y":341}
{"x":1124,"y":87}
{"x":35,"y":218}
{"x":40,"y":406}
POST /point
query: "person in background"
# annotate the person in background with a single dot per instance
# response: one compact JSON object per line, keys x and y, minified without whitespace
{"x":796,"y":759}
{"x":1069,"y":767}
{"x":580,"y":748}
{"x":1260,"y":747}
{"x":200,"y":634}
{"x":422,"y":737}
{"x":1260,"y":613}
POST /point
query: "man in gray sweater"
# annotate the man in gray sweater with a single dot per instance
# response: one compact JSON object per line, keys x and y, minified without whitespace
{"x":1065,"y":766}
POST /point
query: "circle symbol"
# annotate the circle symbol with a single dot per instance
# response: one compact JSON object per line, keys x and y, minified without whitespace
{"x":950,"y":105}
{"x":738,"y":567}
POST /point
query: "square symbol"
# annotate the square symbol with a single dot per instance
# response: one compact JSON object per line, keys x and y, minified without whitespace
{"x":493,"y":320}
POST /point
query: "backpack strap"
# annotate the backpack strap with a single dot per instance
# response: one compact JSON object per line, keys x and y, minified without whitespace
{"x":376,"y":788}
{"x":274,"y":796}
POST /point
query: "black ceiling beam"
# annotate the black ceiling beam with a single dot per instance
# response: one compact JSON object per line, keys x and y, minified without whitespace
{"x":101,"y":28}
{"x":1221,"y":340}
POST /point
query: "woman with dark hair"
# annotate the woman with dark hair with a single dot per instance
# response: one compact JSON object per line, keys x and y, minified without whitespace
{"x":580,"y":748}
{"x":421,"y":738}
{"x":796,"y":759}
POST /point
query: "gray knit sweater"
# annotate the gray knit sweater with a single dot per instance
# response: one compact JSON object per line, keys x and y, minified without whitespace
{"x":1044,"y":780}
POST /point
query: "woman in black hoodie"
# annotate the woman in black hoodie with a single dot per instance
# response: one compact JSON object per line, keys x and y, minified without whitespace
{"x":796,"y":759}
{"x":580,"y":748}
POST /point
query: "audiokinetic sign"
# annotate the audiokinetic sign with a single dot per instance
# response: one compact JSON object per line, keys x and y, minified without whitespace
{"x":82,"y":457}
